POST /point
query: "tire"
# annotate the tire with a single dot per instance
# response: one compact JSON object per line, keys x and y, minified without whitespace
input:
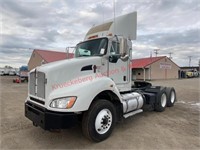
{"x":99,"y":121}
{"x":161,"y":101}
{"x":171,"y":96}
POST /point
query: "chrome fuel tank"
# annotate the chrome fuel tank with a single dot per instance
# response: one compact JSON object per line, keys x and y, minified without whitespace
{"x":132,"y":101}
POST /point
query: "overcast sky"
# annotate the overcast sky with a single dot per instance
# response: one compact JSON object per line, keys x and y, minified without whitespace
{"x":169,"y":25}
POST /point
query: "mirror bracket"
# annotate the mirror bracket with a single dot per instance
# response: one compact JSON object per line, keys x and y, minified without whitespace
{"x":124,"y":58}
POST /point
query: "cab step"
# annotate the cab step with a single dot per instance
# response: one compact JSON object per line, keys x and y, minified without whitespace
{"x":132,"y":113}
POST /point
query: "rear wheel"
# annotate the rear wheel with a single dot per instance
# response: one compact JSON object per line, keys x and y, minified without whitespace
{"x":161,"y":101}
{"x":98,"y":122}
{"x":171,"y":96}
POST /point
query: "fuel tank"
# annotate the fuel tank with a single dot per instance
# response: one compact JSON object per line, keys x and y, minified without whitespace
{"x":132,"y":101}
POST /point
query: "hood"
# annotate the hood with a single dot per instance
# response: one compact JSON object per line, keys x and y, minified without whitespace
{"x":68,"y":64}
{"x":66,"y":70}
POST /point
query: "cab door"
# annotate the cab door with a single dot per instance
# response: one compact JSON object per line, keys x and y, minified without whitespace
{"x":118,"y":70}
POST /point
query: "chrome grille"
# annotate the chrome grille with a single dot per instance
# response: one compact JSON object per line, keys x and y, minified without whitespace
{"x":32,"y":83}
{"x":37,"y":84}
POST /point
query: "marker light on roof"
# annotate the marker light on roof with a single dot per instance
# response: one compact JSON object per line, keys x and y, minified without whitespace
{"x":92,"y":37}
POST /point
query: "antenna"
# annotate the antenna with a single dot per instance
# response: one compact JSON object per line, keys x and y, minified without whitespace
{"x":103,"y":11}
{"x":103,"y":14}
{"x":114,"y":16}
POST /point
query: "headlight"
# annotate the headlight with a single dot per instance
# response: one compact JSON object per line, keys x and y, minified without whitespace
{"x":63,"y":103}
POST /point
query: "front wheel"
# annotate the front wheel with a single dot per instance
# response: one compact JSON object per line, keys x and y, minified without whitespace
{"x":98,"y":122}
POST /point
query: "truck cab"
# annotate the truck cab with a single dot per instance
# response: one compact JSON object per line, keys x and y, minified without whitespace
{"x":95,"y":87}
{"x":115,"y":57}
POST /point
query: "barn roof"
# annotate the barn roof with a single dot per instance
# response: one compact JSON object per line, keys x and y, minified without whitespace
{"x":144,"y":62}
{"x":51,"y":56}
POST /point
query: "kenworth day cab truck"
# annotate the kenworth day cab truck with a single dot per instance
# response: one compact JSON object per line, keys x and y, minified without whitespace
{"x":95,"y":87}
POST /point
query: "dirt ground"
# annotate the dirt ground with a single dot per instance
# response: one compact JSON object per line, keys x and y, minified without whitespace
{"x":177,"y":127}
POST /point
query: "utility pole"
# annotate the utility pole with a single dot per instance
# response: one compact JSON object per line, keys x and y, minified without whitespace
{"x":199,"y":67}
{"x":156,"y":51}
{"x":170,"y":55}
{"x":189,"y":60}
{"x":150,"y":65}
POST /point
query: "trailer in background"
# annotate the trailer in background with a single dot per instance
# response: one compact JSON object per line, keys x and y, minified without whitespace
{"x":8,"y":70}
{"x":22,"y":75}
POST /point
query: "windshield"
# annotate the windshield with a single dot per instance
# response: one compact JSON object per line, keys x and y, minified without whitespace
{"x":95,"y":47}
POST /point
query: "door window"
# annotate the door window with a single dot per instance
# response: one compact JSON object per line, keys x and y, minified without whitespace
{"x":114,"y":48}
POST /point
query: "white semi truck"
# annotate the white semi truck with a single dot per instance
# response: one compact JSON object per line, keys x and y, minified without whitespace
{"x":95,"y":87}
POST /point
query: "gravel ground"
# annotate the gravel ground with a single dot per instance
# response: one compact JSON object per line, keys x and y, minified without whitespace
{"x":177,"y":127}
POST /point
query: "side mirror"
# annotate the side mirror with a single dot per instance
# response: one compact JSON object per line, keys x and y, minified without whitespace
{"x":114,"y":58}
{"x":123,"y":46}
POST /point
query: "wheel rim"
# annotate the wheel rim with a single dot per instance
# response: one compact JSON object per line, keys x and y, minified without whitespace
{"x":163,"y":100}
{"x":103,"y":121}
{"x":172,"y":97}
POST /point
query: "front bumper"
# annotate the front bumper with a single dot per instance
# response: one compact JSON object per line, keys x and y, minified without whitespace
{"x":48,"y":119}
